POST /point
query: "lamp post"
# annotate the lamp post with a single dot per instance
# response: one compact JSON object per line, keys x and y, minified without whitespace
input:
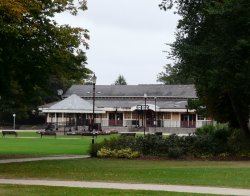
{"x":59,"y":93}
{"x":155,"y":98}
{"x":145,"y":113}
{"x":14,"y":122}
{"x":187,"y":116}
{"x":93,"y":114}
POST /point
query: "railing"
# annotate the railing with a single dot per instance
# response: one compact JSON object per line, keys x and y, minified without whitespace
{"x":115,"y":122}
{"x":188,"y":124}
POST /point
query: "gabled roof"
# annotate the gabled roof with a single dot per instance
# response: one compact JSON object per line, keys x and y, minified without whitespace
{"x":72,"y":104}
{"x":168,"y":91}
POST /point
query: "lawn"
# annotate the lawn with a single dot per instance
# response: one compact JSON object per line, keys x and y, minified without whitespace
{"x":45,"y":190}
{"x":31,"y":145}
{"x":205,"y":173}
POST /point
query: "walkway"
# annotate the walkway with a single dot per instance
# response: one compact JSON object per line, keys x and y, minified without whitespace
{"x":154,"y":187}
{"x":43,"y":158}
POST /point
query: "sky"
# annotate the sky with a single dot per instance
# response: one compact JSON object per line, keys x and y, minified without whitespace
{"x":127,"y":37}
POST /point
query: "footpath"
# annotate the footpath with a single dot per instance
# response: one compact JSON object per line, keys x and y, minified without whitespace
{"x":152,"y":187}
{"x":128,"y":186}
{"x":43,"y":158}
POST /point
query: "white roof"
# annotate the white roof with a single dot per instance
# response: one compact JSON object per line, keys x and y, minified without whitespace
{"x":72,"y":104}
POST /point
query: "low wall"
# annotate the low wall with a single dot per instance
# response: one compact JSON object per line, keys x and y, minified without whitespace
{"x":169,"y":130}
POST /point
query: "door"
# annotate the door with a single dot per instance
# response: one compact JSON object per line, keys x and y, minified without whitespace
{"x":188,"y":120}
{"x":115,"y":119}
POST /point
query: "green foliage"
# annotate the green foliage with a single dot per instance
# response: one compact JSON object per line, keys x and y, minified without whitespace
{"x":37,"y":55}
{"x":175,"y":152}
{"x":237,"y":143}
{"x":208,"y":141}
{"x":196,"y":104}
{"x":120,"y":80}
{"x":112,"y":144}
{"x":127,"y":153}
{"x":171,"y":75}
{"x":94,"y":149}
{"x":212,"y":46}
{"x":205,"y":130}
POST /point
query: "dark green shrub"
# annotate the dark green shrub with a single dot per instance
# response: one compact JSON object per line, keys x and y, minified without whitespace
{"x":151,"y":145}
{"x":175,"y":152}
{"x":94,"y":149}
{"x":202,"y":145}
{"x":206,"y":142}
{"x":205,"y":130}
{"x":113,"y":144}
{"x":120,"y":143}
{"x":237,"y":143}
{"x":187,"y":145}
{"x":212,"y":139}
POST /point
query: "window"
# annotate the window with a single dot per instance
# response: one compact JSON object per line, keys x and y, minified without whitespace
{"x":167,"y":115}
{"x":127,"y":115}
{"x":51,"y":115}
{"x":200,"y":117}
{"x":134,"y":115}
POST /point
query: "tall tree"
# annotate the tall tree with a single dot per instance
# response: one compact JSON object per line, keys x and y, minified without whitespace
{"x":37,"y":55}
{"x":120,"y":80}
{"x":213,"y":45}
{"x":171,"y":75}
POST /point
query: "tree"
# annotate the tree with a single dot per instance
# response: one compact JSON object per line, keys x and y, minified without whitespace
{"x":196,"y":104}
{"x":171,"y":75}
{"x":120,"y":80}
{"x":213,"y":45}
{"x":37,"y":55}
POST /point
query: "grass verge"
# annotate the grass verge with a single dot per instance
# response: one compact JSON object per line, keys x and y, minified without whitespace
{"x":204,"y":173}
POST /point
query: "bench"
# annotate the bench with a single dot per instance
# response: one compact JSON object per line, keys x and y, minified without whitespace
{"x":48,"y":133}
{"x":128,"y":134}
{"x":9,"y":133}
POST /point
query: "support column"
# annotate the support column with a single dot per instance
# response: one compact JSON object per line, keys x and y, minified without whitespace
{"x":56,"y":121}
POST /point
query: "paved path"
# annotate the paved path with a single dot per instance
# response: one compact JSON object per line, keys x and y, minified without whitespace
{"x":154,"y":187}
{"x":43,"y":158}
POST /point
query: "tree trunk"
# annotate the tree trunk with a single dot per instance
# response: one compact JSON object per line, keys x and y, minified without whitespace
{"x":240,"y":116}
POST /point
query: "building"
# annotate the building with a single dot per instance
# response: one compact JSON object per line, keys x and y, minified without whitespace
{"x":126,"y":107}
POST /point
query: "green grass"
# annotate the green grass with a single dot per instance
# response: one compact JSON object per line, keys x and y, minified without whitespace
{"x":222,"y":174}
{"x":206,"y":173}
{"x":48,"y":145}
{"x":46,"y":190}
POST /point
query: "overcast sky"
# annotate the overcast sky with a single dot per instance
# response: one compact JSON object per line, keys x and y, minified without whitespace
{"x":127,"y":37}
